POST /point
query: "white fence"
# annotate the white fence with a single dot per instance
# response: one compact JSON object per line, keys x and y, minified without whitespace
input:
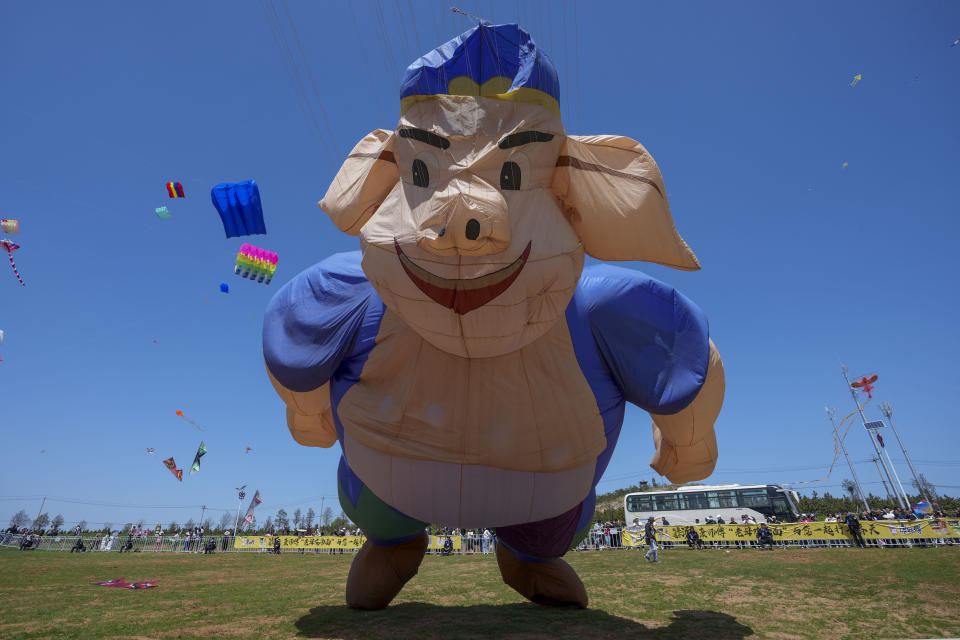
{"x":468,"y":544}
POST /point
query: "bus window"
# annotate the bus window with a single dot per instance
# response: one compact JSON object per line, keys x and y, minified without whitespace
{"x":638,"y":504}
{"x":717,"y":499}
{"x":754,"y":498}
{"x":665,"y":503}
{"x":696,"y":500}
{"x":781,"y":510}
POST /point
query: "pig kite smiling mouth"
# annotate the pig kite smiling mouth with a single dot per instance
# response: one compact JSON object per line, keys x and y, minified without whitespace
{"x":462,"y":295}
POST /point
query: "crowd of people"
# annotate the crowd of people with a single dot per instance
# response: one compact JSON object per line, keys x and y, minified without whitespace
{"x":481,"y":540}
{"x":601,"y":535}
{"x":879,"y":514}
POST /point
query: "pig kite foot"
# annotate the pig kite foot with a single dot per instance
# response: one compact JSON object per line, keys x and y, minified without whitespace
{"x":552,"y":583}
{"x":379,"y":572}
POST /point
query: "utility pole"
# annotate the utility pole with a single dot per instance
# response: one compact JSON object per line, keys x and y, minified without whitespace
{"x":833,"y":414}
{"x":201,"y":515}
{"x":322,"y":499}
{"x":41,"y":510}
{"x":887,"y":411}
{"x":906,"y":498}
{"x":876,"y":461}
{"x":876,"y":448}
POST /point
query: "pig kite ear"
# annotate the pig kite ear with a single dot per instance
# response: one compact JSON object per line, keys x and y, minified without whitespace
{"x":613,"y":196}
{"x":366,"y":177}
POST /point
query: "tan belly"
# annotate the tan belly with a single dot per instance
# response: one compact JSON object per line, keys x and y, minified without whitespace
{"x":510,"y":422}
{"x":467,"y":495}
{"x":530,"y":410}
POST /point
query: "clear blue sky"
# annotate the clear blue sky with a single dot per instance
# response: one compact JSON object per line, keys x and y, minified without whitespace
{"x":747,"y":107}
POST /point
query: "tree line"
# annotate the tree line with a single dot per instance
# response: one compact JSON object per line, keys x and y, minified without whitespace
{"x":281,"y":521}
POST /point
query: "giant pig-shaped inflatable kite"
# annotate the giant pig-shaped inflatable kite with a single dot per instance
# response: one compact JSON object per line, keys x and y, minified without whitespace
{"x":473,"y":371}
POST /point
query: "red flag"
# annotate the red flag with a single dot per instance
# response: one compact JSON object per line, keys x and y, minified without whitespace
{"x":880,"y":439}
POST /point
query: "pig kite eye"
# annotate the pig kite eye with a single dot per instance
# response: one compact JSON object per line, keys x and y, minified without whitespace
{"x":423,"y":164}
{"x":421,"y":177}
{"x":510,"y":176}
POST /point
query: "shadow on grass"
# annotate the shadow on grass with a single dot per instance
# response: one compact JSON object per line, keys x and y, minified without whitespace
{"x":421,"y":621}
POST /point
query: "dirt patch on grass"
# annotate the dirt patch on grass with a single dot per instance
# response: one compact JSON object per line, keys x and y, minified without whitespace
{"x":245,"y":627}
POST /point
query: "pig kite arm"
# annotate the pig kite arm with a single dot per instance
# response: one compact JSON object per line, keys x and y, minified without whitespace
{"x":656,"y":346}
{"x":318,"y":321}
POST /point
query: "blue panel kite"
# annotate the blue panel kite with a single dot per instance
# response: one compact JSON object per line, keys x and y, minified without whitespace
{"x":238,"y":204}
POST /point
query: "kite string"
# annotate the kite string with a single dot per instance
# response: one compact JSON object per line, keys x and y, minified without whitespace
{"x":462,"y":12}
{"x":836,"y":444}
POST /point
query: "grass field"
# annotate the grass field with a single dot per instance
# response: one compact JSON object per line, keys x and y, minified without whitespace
{"x":816,"y":593}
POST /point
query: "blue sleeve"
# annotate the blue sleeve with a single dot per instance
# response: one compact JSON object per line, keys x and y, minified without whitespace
{"x":311,"y":324}
{"x":653,"y":340}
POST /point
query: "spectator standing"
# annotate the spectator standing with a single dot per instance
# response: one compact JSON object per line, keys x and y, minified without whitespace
{"x":486,"y":540}
{"x":854,"y":525}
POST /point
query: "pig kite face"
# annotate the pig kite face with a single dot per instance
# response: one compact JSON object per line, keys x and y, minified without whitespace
{"x":475,"y":211}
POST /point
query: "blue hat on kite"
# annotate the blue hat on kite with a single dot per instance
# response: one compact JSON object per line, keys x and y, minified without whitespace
{"x":496,"y":61}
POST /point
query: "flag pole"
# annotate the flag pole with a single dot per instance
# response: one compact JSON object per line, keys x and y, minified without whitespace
{"x":41,"y":510}
{"x":900,"y":484}
{"x":892,"y":492}
{"x":236,"y":522}
{"x":887,"y":410}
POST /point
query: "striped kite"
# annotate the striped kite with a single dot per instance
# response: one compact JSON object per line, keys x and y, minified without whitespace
{"x":256,"y":263}
{"x":175,"y":189}
{"x":9,"y":226}
{"x":10,"y":246}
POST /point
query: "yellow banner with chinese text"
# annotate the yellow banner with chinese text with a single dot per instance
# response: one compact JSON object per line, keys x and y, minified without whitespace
{"x":869,"y":529}
{"x":326,"y":542}
{"x":300,"y":542}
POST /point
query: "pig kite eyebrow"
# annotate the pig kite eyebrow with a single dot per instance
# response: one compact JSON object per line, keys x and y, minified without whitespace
{"x":425,"y":136}
{"x":524,"y":137}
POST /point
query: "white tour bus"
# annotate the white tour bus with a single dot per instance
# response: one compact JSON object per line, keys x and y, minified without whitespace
{"x":694,"y":504}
